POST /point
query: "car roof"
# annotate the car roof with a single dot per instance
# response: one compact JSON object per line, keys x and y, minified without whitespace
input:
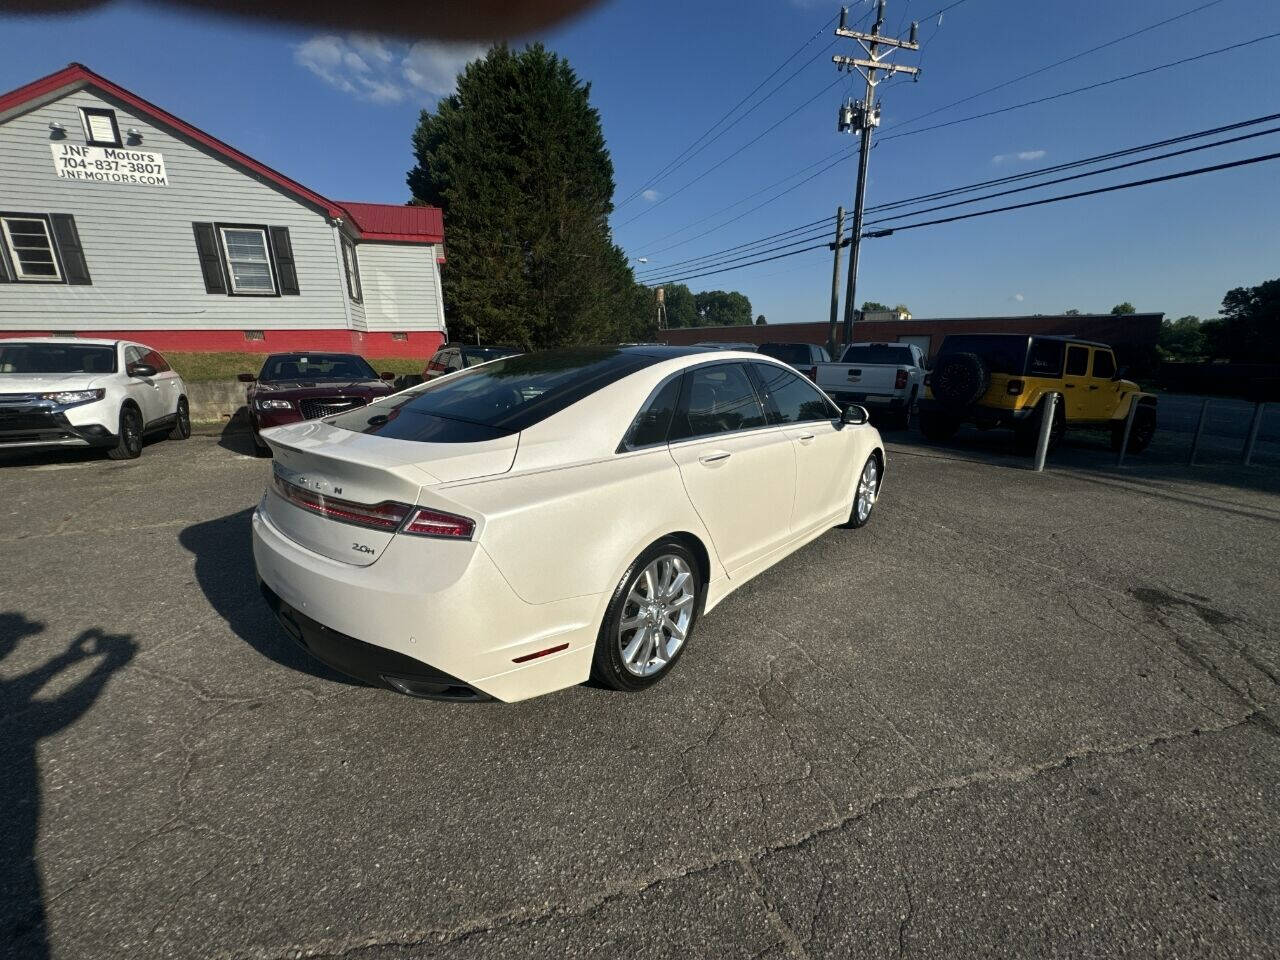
{"x":310,"y":353}
{"x":1063,"y":337}
{"x":84,"y":341}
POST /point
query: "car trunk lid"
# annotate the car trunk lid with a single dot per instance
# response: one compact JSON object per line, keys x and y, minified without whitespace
{"x":337,"y":493}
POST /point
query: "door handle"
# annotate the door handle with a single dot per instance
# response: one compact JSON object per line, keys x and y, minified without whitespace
{"x":1071,"y":386}
{"x":1093,"y":387}
{"x":714,"y":457}
{"x":805,"y":437}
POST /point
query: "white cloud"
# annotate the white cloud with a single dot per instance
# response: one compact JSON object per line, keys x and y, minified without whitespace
{"x":383,"y":71}
{"x":1019,"y":297}
{"x":651,"y":195}
{"x":1025,"y":156}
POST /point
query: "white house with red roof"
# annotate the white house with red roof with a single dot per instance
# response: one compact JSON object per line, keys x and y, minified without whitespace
{"x":118,"y":219}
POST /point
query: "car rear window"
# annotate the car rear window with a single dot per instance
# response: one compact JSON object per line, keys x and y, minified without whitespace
{"x":499,"y":398}
{"x":878,"y":353}
{"x":796,"y":354}
{"x":477,"y":355}
{"x":1002,"y":354}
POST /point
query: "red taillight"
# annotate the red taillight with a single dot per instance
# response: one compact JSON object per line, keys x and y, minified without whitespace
{"x":812,"y":374}
{"x":379,"y":516}
{"x":1014,"y":388}
{"x":900,"y":381}
{"x":436,"y":523}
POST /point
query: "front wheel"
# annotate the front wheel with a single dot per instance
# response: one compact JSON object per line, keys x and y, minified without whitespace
{"x":649,"y":619}
{"x":864,"y":497}
{"x":129,"y":438}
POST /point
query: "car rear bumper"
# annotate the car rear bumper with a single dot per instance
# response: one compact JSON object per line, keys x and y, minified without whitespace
{"x":429,"y":618}
{"x":868,"y":399}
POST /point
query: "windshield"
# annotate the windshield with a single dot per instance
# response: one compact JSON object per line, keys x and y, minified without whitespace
{"x":496,"y":399}
{"x":56,"y":358}
{"x":316,"y":366}
{"x":878,"y":353}
{"x":1001,"y":354}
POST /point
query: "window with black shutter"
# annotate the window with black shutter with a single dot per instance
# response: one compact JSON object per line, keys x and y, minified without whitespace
{"x":241,"y":259}
{"x":41,"y":248}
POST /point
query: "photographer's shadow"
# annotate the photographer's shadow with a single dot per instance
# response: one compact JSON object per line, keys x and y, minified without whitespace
{"x":26,"y":718}
{"x":225,"y":572}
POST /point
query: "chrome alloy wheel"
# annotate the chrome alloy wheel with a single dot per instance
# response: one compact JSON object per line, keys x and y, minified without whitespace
{"x":868,"y":487}
{"x":656,"y":615}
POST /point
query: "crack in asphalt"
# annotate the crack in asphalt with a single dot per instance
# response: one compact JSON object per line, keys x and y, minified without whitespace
{"x":746,"y":861}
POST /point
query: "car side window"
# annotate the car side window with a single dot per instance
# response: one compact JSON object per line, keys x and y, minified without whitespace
{"x":1104,"y":364}
{"x":790,"y":398}
{"x":1045,"y":359}
{"x":155,"y":360}
{"x":653,"y":423}
{"x":1077,"y":361}
{"x":132,"y":355}
{"x":717,"y":398}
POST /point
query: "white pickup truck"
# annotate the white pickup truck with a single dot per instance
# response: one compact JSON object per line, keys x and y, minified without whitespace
{"x":880,"y":376}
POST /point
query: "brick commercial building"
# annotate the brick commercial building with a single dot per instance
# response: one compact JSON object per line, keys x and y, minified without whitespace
{"x":118,"y":219}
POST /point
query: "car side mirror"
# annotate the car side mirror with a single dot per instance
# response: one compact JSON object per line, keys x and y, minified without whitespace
{"x":142,"y":370}
{"x":1121,"y":373}
{"x":854,"y":414}
{"x":246,"y":377}
{"x":387,"y":375}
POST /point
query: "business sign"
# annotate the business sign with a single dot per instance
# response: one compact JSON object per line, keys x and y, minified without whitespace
{"x":109,"y":164}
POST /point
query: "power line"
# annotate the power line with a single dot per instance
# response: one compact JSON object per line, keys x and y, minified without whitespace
{"x":998,"y":181}
{"x":842,"y":155}
{"x":1070,"y":165}
{"x":685,"y":155}
{"x":1057,"y":63}
{"x":1083,"y":193}
{"x":982,"y":213}
{"x":748,"y":256}
{"x":1091,"y":86}
{"x":1079,"y":176}
{"x":736,"y":153}
{"x":668,"y":267}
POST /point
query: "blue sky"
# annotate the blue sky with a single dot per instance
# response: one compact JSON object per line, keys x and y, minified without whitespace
{"x":335,"y":111}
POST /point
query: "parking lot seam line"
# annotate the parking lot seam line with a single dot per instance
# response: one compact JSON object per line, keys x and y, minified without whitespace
{"x":523,"y":917}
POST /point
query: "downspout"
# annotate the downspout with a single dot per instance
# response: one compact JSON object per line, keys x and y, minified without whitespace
{"x":336,"y":225}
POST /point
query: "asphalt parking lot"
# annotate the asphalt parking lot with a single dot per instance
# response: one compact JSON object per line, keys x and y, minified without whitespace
{"x":1018,"y":715}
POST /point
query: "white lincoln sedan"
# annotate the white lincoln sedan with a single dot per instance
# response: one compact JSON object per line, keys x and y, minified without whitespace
{"x":519,"y":526}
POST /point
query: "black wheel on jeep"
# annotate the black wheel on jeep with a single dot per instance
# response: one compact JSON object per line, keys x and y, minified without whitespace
{"x":1027,"y":435}
{"x":1144,"y":428}
{"x":960,"y":380}
{"x":937,"y":427}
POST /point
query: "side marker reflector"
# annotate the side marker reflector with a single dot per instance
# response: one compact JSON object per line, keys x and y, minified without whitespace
{"x":541,"y":653}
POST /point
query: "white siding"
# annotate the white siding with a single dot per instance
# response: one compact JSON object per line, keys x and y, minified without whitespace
{"x":401,"y":283}
{"x":138,"y":241}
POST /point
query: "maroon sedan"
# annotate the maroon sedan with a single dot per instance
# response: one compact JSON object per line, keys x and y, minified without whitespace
{"x":306,"y":386}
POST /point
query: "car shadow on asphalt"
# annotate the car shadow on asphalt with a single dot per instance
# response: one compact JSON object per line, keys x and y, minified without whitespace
{"x":225,"y":573}
{"x":29,"y":713}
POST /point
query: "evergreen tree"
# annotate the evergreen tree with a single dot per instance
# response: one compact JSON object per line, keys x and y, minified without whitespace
{"x":517,"y":160}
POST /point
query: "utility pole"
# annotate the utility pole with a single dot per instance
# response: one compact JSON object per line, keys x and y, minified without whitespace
{"x":662,"y":308}
{"x":835,"y":282}
{"x":863,"y":116}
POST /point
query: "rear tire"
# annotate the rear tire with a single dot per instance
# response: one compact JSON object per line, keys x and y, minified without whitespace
{"x":129,"y":437}
{"x":938,"y":427}
{"x":650,"y":618}
{"x":182,"y":426}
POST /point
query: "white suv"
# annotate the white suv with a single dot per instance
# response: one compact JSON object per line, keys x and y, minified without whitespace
{"x":75,"y":392}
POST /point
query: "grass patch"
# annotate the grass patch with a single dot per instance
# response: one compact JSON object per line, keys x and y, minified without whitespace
{"x":195,"y":367}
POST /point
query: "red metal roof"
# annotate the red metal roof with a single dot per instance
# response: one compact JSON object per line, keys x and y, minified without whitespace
{"x":385,"y":221}
{"x":390,"y":221}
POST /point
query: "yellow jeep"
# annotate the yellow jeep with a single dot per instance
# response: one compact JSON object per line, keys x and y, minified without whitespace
{"x":1001,"y":380}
